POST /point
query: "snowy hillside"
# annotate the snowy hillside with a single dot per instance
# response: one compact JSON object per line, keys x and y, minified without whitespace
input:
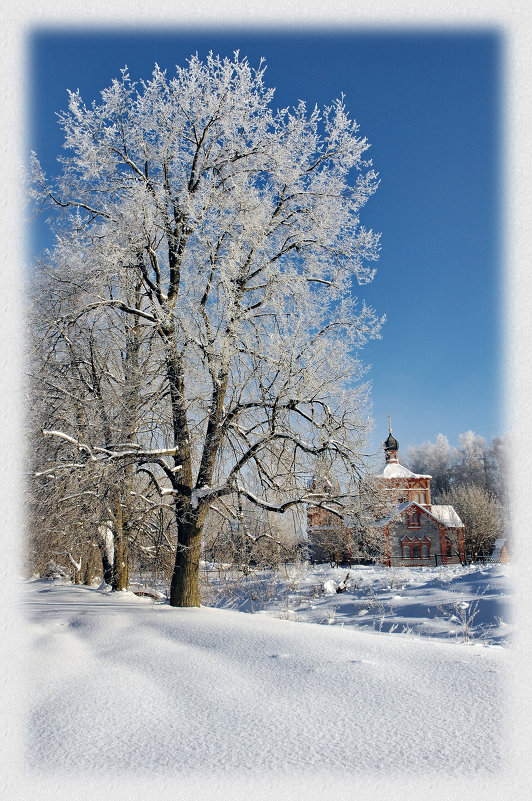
{"x":120,"y":683}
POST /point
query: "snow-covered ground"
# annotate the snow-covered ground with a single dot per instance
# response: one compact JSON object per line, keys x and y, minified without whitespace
{"x":214,"y":697}
{"x":454,"y":602}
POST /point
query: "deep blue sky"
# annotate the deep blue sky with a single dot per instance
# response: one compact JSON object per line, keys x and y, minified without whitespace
{"x":430,"y":105}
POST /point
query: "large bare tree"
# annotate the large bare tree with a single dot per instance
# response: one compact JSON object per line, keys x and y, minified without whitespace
{"x":239,"y":225}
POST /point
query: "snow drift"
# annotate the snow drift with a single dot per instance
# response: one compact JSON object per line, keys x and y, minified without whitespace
{"x":117,"y":683}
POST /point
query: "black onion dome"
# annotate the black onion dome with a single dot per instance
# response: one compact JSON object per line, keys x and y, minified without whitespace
{"x":391,"y":443}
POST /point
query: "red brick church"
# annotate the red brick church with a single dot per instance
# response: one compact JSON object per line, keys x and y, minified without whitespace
{"x":413,"y":532}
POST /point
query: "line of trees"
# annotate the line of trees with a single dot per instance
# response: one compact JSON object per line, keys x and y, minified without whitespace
{"x":194,"y":325}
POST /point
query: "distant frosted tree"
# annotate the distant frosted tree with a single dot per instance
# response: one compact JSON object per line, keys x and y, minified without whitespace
{"x":240,"y":226}
{"x":471,"y":467}
{"x":482,"y":515}
{"x":474,"y":462}
{"x":499,"y":457}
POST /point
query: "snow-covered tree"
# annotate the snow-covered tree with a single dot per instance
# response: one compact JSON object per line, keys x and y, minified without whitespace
{"x":475,"y":462}
{"x":481,"y":514}
{"x":471,"y":467}
{"x":251,"y":536}
{"x":498,"y":469}
{"x":240,"y":227}
{"x":85,"y":378}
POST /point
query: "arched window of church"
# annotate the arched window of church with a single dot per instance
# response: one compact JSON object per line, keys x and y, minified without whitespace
{"x":406,"y":551}
{"x":424,"y":551}
{"x":415,"y":552}
{"x":414,"y":520}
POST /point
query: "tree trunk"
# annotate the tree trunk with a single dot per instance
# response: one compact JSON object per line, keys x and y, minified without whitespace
{"x":121,"y":562}
{"x":105,"y":542}
{"x":107,"y":565}
{"x":184,"y":588}
{"x":90,"y":570}
{"x":121,"y":549}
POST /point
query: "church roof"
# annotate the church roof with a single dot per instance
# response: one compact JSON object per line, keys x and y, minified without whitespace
{"x":442,"y":514}
{"x":397,"y":510}
{"x":447,"y":515}
{"x":396,"y":470}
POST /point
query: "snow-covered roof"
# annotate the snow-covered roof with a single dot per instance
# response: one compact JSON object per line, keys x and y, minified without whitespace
{"x":396,"y":470}
{"x":497,"y":548}
{"x":397,"y":510}
{"x":447,"y":515}
{"x":442,"y":514}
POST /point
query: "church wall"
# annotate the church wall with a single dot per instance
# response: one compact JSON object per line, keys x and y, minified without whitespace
{"x":396,"y":490}
{"x":400,"y":529}
{"x":404,"y":538}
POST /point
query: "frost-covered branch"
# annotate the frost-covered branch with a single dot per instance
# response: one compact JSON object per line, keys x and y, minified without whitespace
{"x":133,"y":450}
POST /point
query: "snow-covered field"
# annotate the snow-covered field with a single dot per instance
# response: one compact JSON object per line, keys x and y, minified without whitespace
{"x":119,"y":685}
{"x":461,"y":603}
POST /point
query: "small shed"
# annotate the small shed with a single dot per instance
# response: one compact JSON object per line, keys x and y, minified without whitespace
{"x":500,"y":551}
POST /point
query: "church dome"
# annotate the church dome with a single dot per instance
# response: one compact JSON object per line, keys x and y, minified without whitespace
{"x":391,"y":443}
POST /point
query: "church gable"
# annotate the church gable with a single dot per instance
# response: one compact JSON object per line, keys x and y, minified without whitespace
{"x":412,"y":513}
